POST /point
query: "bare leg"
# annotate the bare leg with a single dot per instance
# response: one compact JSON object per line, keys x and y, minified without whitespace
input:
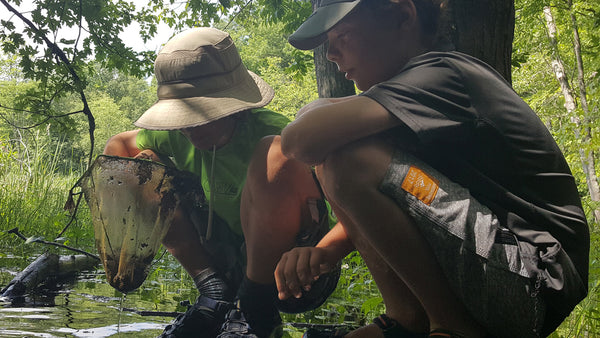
{"x":183,"y":243}
{"x":273,"y":207}
{"x":399,"y":300}
{"x":351,"y":178}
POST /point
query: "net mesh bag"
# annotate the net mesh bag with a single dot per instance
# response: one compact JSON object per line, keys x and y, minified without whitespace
{"x":132,"y":203}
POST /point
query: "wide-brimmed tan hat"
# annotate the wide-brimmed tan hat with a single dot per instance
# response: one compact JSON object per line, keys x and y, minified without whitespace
{"x":201,"y":78}
{"x":313,"y":31}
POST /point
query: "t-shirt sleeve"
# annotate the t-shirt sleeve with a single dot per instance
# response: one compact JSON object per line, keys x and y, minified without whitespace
{"x":271,"y":123}
{"x":169,"y":144}
{"x":157,"y":140}
{"x":430,"y":97}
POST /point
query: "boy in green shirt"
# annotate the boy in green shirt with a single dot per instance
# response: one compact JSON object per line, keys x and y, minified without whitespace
{"x":209,"y":120}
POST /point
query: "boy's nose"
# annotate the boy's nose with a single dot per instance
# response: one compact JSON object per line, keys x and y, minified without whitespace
{"x":332,"y":52}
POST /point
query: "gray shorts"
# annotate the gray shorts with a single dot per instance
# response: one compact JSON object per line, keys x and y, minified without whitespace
{"x":481,"y":259}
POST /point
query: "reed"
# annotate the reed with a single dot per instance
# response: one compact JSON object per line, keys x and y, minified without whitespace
{"x":34,"y":189}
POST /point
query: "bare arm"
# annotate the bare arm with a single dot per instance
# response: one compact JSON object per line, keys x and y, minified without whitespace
{"x":124,"y":145}
{"x":320,"y":102}
{"x":324,"y":125}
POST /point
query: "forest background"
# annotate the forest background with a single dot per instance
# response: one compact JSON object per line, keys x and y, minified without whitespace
{"x":51,"y":101}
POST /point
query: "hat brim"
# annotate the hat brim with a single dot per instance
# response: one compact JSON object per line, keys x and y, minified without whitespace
{"x":313,"y":32}
{"x":179,"y":113}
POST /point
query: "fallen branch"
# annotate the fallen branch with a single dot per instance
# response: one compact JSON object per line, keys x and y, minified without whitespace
{"x":38,"y":240}
{"x":153,"y":313}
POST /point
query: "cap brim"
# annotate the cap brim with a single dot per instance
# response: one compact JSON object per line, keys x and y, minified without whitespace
{"x":172,"y":114}
{"x":313,"y":31}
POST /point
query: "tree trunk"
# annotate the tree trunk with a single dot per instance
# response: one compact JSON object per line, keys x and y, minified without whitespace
{"x":586,"y":153}
{"x":483,"y":29}
{"x":330,"y":82}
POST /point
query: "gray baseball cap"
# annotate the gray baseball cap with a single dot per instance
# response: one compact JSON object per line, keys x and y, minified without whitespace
{"x":313,"y":31}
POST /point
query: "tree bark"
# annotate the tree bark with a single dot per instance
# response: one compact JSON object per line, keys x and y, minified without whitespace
{"x":330,"y":82}
{"x":44,"y":267}
{"x":586,"y":153}
{"x":483,"y":29}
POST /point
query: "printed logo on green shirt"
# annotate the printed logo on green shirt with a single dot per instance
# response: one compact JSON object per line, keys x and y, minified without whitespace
{"x":225,"y":188}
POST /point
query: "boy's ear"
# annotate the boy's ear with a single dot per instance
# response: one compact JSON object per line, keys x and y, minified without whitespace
{"x":406,"y":11}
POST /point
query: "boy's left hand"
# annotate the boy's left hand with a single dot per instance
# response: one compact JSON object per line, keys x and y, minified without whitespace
{"x":299,"y":268}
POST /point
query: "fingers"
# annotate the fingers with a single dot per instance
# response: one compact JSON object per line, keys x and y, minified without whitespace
{"x":280,"y":279}
{"x":287,"y":276}
{"x":319,"y":265}
{"x":297,"y":269}
{"x":148,"y":154}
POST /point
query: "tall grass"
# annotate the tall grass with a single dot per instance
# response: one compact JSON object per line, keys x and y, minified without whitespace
{"x":33,"y":192}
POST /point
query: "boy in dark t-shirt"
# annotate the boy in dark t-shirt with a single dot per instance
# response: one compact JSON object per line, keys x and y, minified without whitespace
{"x":446,"y":182}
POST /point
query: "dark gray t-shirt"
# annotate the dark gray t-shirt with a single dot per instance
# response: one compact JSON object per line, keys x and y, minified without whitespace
{"x":467,"y":122}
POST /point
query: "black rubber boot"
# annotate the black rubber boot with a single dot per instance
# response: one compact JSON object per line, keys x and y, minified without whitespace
{"x":201,"y":320}
{"x":237,"y":326}
{"x":256,"y":315}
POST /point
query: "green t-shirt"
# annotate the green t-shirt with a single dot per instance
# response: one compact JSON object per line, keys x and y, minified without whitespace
{"x":231,"y":161}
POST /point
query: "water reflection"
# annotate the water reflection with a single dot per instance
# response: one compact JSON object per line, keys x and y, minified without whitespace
{"x":111,"y":330}
{"x":89,"y":307}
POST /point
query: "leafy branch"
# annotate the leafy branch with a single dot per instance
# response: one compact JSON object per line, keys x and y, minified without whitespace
{"x":58,"y":52}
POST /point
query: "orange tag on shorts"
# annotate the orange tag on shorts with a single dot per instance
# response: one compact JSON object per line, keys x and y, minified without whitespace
{"x":420,"y":185}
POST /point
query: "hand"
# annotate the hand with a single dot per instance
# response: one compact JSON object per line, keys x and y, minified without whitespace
{"x":148,"y":154}
{"x":299,"y":268}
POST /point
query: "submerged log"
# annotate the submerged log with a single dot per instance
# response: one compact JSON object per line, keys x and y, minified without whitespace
{"x":47,"y":265}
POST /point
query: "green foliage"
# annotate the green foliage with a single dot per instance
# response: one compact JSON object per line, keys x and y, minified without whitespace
{"x":82,"y":30}
{"x":32,"y":192}
{"x":115,"y":99}
{"x":535,"y":81}
{"x":355,"y":302}
{"x":265,"y":52}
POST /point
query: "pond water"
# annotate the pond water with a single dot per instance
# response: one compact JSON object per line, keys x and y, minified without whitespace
{"x":89,"y":307}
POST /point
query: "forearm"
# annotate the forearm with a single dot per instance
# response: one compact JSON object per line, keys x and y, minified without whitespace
{"x":337,"y":243}
{"x":325,"y":126}
{"x":300,"y":267}
{"x":320,"y":102}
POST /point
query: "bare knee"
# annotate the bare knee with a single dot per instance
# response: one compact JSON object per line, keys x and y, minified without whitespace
{"x":276,"y":189}
{"x":274,"y":175}
{"x":353,"y":168}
